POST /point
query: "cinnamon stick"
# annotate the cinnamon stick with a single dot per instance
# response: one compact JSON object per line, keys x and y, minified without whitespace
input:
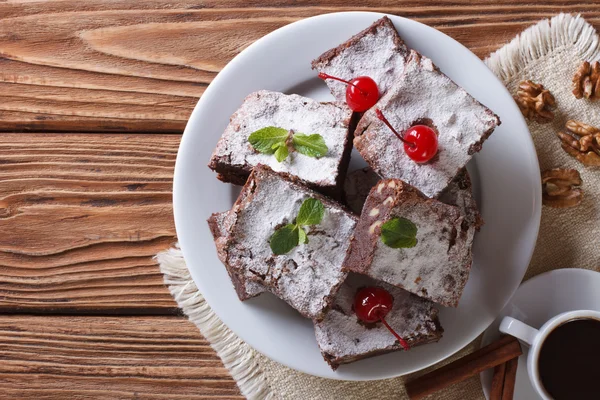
{"x":510,"y":378}
{"x":496,"y":353}
{"x":503,"y":380}
{"x":498,"y":382}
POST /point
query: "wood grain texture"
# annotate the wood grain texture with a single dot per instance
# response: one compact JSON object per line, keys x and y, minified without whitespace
{"x":82,"y":215}
{"x":66,"y":357}
{"x":102,"y":65}
{"x":85,"y":214}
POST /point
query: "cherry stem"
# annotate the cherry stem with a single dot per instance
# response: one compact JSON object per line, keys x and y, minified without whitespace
{"x":403,"y":342}
{"x":323,"y":75}
{"x":385,"y":121}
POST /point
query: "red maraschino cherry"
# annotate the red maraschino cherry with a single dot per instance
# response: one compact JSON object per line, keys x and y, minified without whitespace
{"x":361,"y":93}
{"x":372,"y":304}
{"x":420,"y":141}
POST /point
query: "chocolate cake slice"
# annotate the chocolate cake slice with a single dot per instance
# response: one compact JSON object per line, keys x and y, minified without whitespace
{"x":343,"y":339}
{"x":307,"y":276}
{"x":424,"y":95}
{"x":377,"y":52}
{"x":436,"y":266}
{"x":234,"y":156}
{"x":220,"y":225}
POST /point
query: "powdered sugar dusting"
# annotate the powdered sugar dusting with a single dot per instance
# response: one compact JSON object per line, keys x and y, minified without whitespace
{"x":292,"y":112}
{"x":254,"y":288}
{"x":224,"y":221}
{"x":436,"y":268}
{"x":423,"y":93}
{"x":376,"y":55}
{"x":340,"y":334}
{"x":306,"y":276}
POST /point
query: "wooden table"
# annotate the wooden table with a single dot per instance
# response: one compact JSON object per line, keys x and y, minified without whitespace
{"x":94,"y":96}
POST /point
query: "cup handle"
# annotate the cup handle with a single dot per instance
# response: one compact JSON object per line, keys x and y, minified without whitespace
{"x":516,"y":328}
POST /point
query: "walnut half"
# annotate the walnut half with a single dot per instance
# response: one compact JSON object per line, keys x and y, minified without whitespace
{"x":586,"y":81}
{"x":559,"y":188}
{"x":581,"y":141}
{"x":535,"y":102}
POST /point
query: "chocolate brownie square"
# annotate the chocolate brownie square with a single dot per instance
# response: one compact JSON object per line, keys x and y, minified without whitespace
{"x":234,"y":156}
{"x":343,"y":339}
{"x":436,"y":267}
{"x":307,"y":276}
{"x":424,"y":95}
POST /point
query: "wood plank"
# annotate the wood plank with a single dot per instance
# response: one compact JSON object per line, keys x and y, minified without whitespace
{"x":85,"y":214}
{"x":141,"y":66}
{"x":65,"y":357}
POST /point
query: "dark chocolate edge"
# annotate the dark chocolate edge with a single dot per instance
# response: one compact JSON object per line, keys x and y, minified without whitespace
{"x":237,"y":280}
{"x":464,"y":180}
{"x":346,"y":157}
{"x":476,"y":147}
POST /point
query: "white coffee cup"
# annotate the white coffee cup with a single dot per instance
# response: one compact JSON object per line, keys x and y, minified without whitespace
{"x":535,"y":339}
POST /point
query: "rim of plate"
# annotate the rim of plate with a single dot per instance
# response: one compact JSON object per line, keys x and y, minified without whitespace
{"x":179,"y":192}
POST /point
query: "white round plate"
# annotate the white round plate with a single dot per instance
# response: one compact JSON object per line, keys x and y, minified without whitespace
{"x":535,"y":302}
{"x":506,"y":181}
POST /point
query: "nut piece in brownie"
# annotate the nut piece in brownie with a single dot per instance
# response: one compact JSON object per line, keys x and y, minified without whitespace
{"x":343,"y":339}
{"x":377,"y":52}
{"x":306,"y":276}
{"x":410,"y":241}
{"x":423,"y":95}
{"x":234,"y":156}
{"x":220,"y":224}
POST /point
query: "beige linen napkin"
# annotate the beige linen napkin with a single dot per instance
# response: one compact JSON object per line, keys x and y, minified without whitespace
{"x":547,"y":53}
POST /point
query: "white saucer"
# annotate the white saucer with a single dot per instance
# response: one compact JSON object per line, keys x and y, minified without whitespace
{"x":535,"y":302}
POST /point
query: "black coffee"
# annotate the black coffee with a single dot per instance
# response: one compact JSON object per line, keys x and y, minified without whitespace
{"x":569,"y":361}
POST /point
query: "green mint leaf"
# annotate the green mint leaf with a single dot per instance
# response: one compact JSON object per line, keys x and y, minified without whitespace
{"x":311,"y":212}
{"x":310,"y":145}
{"x":399,"y":233}
{"x":264,"y":140}
{"x":303,"y":238}
{"x":285,"y":239}
{"x":282,"y":152}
